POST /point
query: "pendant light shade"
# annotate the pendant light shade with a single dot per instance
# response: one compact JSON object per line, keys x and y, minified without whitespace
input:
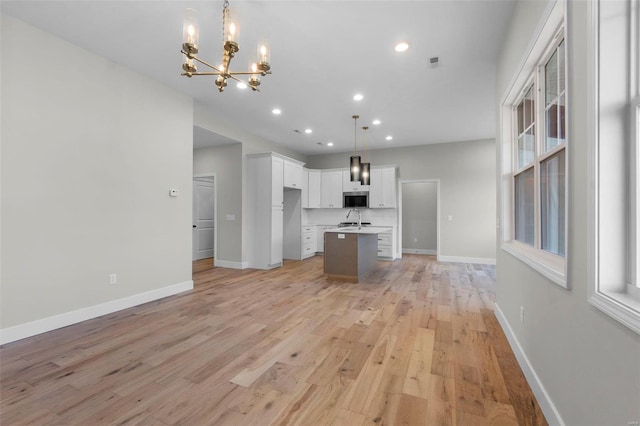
{"x":354,"y":163}
{"x":364,"y":174}
{"x":364,"y":167}
{"x":354,"y":167}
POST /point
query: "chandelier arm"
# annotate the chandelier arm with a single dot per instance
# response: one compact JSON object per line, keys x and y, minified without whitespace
{"x":203,"y":73}
{"x":195,"y":58}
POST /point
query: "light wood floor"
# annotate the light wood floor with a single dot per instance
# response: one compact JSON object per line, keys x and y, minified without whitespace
{"x":417,"y":343}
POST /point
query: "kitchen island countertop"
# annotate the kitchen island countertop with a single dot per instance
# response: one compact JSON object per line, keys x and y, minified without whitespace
{"x":363,"y":230}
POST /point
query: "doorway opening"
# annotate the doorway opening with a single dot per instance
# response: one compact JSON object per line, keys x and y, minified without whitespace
{"x":420,"y":217}
{"x":204,"y":241}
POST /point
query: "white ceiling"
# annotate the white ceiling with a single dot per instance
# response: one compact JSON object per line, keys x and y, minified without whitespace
{"x":323,"y":52}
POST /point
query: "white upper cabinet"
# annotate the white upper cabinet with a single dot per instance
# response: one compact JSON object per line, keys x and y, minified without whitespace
{"x":292,"y":174}
{"x":305,"y":188}
{"x":277,"y":193}
{"x":382,"y":192}
{"x":314,"y":192}
{"x":348,"y":186}
{"x":331,"y":192}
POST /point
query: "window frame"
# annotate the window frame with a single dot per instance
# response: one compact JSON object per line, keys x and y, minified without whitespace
{"x":552,"y":34}
{"x":614,"y":293}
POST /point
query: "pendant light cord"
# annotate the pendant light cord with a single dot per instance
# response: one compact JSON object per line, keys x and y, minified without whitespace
{"x":364,"y":145}
{"x":355,"y":133}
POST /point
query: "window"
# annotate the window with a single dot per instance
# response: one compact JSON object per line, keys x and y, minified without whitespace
{"x":614,"y":160}
{"x":534,"y":139}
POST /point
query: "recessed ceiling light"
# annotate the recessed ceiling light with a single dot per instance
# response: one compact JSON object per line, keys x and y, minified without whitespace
{"x":276,"y":111}
{"x":402,"y":46}
{"x":389,"y":138}
{"x":376,"y":122}
{"x":358,"y":97}
{"x":330,"y":144}
{"x":241,"y":85}
{"x":308,"y":131}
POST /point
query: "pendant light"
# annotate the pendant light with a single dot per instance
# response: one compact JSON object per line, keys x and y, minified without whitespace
{"x":365,"y":167}
{"x":354,"y":163}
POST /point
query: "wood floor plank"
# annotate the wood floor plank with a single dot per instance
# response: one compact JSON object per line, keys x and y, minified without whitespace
{"x":414,"y":343}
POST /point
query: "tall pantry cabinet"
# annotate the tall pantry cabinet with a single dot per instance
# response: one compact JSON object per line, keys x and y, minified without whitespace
{"x":265,"y":202}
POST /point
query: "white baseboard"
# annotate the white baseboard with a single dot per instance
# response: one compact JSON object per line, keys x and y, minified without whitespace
{"x":458,"y":259}
{"x":230,"y":264}
{"x":418,"y":251}
{"x":546,"y":404}
{"x":22,"y":331}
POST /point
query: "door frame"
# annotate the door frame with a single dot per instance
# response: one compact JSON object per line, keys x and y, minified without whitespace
{"x":215,"y":210}
{"x":402,"y":182}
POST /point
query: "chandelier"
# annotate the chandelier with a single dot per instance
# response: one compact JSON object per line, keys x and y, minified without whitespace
{"x":190,"y":37}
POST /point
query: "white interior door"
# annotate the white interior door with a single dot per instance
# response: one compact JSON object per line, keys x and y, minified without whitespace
{"x":203,"y":218}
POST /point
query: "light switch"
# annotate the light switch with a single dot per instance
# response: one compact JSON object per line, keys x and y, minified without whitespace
{"x":341,"y":236}
{"x":231,"y":217}
{"x":450,"y":218}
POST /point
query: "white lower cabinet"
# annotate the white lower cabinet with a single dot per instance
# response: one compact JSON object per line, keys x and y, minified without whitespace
{"x":308,"y":241}
{"x":385,"y":244}
{"x":320,"y":237}
{"x":276,"y":235}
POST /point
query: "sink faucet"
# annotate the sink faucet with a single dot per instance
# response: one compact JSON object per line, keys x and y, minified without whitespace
{"x":359,"y":217}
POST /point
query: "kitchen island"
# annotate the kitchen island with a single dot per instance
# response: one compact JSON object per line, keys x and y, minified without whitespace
{"x":350,"y":253}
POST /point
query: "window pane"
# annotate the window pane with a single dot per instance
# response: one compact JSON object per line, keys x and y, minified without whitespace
{"x":551,"y":78}
{"x":552,"y":203}
{"x":525,"y":148}
{"x":551,"y":124}
{"x":562,"y":112}
{"x":520,"y":118}
{"x":529,"y":108}
{"x":526,"y":125}
{"x":561,"y":67}
{"x":524,"y":207}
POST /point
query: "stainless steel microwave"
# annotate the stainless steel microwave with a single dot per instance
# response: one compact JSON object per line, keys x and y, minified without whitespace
{"x":355,"y":199}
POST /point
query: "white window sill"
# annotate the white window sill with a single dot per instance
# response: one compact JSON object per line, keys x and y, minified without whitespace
{"x":623,"y":307}
{"x":550,"y":266}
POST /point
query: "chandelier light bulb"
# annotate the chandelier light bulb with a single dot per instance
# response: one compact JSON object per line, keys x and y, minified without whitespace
{"x":190,"y":33}
{"x":358,"y":97}
{"x":276,"y":111}
{"x":232,"y":32}
{"x":376,"y":122}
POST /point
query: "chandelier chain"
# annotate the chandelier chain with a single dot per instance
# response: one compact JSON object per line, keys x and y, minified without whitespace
{"x":225,"y":17}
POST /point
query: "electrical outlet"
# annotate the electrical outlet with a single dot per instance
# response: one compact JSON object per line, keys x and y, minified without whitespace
{"x":522,"y":314}
{"x":415,"y":240}
{"x":113,"y":278}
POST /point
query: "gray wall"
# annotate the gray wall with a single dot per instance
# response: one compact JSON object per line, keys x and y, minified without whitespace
{"x":89,"y":153}
{"x":419,"y":216}
{"x":467,"y":189}
{"x":588,"y":363}
{"x":251,"y":144}
{"x":226,"y":163}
